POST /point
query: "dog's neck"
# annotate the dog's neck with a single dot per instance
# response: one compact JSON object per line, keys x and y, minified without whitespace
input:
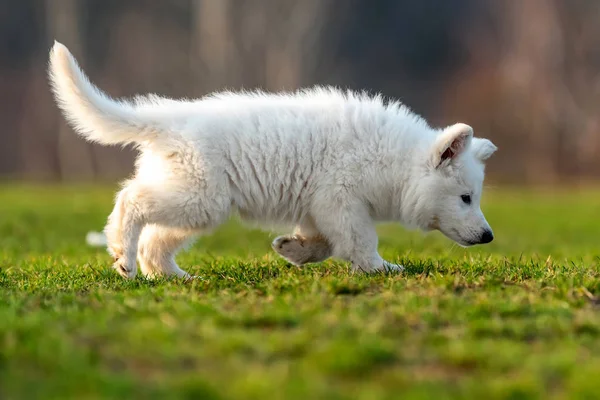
{"x":390,"y":188}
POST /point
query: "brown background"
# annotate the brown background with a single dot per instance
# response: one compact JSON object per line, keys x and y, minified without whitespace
{"x":525,"y":73}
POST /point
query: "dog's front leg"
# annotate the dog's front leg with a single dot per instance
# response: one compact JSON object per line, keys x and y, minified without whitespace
{"x":300,"y":250}
{"x":352,"y":235}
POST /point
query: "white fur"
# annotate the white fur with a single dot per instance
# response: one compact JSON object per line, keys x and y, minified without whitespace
{"x":330,"y":163}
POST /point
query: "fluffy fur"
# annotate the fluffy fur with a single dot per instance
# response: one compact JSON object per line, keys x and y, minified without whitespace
{"x":330,"y":163}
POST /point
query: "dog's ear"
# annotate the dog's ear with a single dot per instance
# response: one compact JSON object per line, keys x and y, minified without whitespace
{"x":483,"y":148}
{"x":450,"y":144}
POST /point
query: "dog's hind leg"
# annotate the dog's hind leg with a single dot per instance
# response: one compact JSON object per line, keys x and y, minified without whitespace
{"x":122,"y":232}
{"x":113,"y":229}
{"x":175,"y":207}
{"x":305,"y":245}
{"x":157,"y":248}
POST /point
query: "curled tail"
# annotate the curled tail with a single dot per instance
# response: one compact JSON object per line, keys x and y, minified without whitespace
{"x":92,"y":113}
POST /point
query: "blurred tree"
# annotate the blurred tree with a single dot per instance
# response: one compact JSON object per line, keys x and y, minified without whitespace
{"x":75,"y":157}
{"x":526,"y":74}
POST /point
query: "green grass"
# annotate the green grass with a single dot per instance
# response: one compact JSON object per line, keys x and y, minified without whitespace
{"x":515,"y":319}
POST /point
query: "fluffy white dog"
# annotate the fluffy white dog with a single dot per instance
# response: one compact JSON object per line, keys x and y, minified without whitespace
{"x":330,"y":163}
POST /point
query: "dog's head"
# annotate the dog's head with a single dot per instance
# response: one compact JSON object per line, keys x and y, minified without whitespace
{"x":451,"y":189}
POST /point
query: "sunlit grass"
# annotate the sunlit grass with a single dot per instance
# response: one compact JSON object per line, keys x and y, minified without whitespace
{"x":518,"y":318}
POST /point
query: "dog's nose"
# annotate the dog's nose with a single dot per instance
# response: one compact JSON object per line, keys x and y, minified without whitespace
{"x":486,"y":237}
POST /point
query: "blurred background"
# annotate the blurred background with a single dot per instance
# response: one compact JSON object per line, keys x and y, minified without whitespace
{"x":524,"y":73}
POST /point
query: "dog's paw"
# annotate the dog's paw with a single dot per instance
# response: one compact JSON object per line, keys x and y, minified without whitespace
{"x":300,"y":250}
{"x":390,"y":268}
{"x":281,"y":241}
{"x":290,"y":248}
{"x":385,"y":268}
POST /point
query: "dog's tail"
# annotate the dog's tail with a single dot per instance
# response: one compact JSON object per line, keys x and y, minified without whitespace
{"x":92,"y":113}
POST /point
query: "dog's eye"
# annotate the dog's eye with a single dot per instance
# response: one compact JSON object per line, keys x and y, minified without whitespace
{"x":466,"y":198}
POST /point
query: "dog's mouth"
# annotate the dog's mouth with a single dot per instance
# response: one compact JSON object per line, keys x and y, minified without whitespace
{"x":457,"y":238}
{"x":461,"y":242}
{"x":451,"y":234}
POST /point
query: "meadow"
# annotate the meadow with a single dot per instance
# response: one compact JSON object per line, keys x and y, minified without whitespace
{"x":518,"y":318}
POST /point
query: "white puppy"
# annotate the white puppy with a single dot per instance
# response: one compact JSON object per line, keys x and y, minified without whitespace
{"x":330,"y":163}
